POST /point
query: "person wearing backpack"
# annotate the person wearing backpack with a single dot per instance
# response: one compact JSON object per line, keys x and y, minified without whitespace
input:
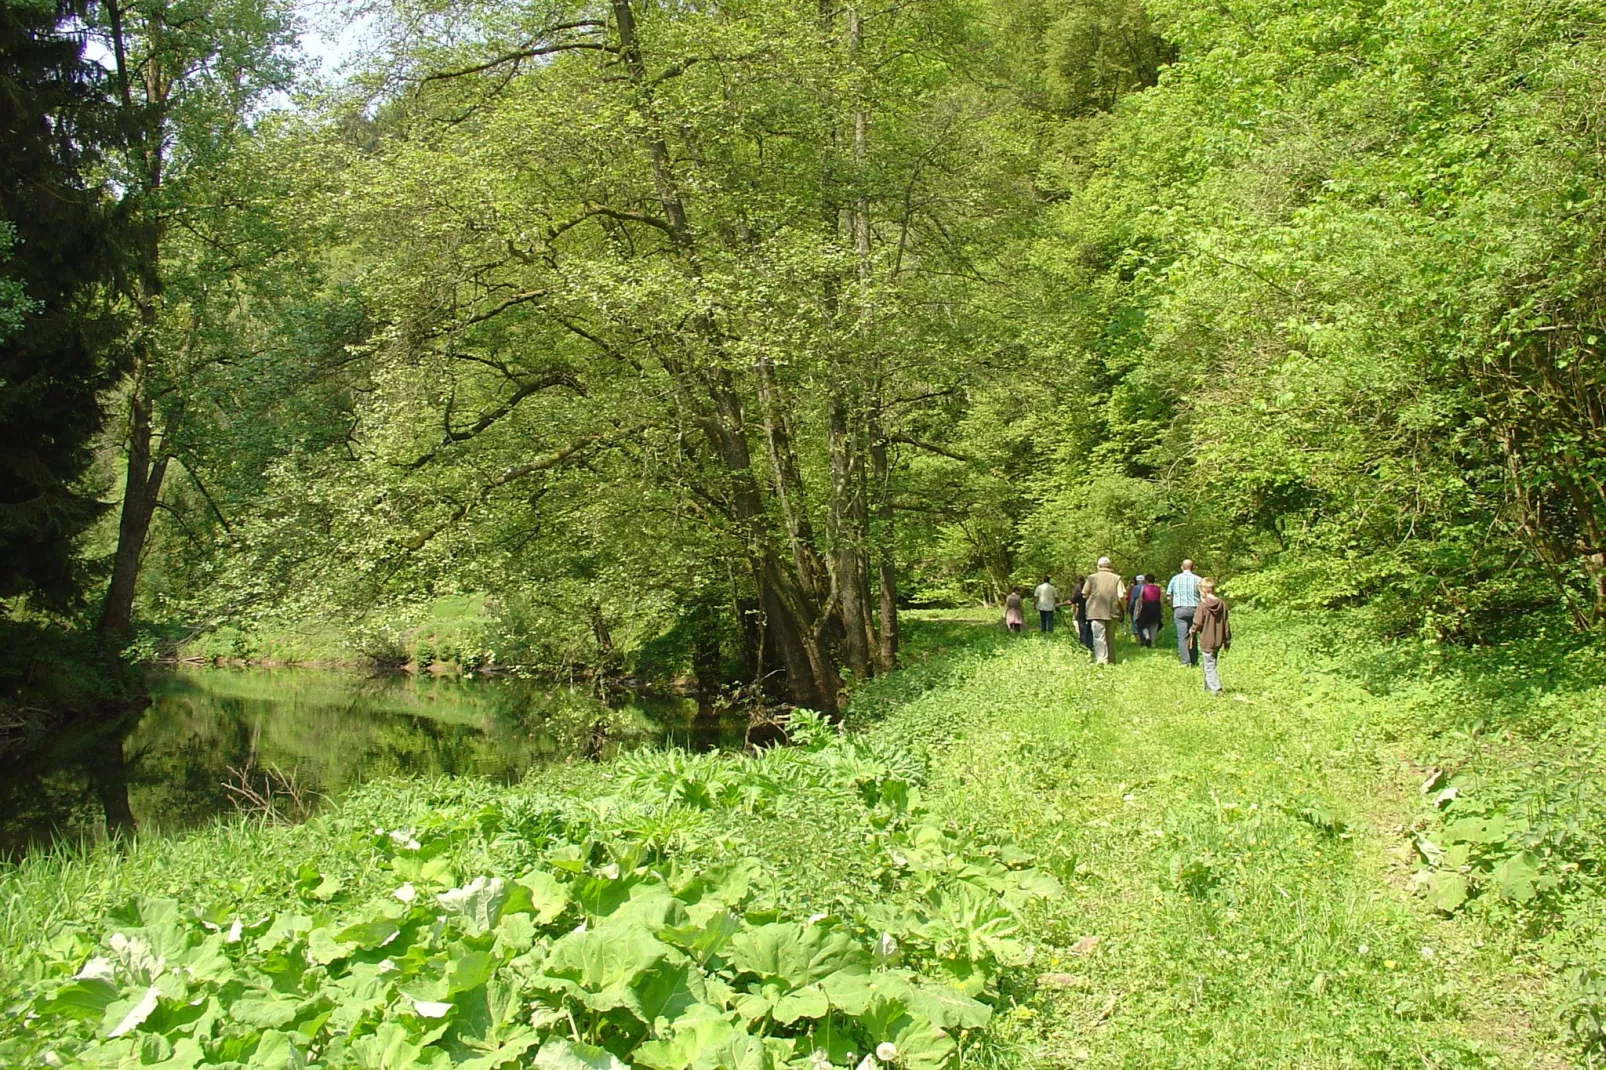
{"x":1146,"y":614}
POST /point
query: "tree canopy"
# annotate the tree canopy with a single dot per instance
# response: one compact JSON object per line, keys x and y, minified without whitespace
{"x":57,"y":252}
{"x":703,"y":339}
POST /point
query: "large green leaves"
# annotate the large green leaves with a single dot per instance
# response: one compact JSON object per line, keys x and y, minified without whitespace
{"x":603,"y":967}
{"x":668,"y":967}
{"x":793,"y":955}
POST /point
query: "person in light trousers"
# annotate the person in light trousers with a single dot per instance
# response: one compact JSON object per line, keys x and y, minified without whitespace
{"x":1215,"y":632}
{"x":1106,"y":598}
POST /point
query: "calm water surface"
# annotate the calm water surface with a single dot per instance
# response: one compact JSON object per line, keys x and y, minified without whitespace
{"x":326,"y":730}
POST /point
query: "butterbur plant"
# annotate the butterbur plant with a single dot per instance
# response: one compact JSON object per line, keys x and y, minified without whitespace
{"x":594,"y":950}
{"x":808,"y":730}
{"x":565,"y":966}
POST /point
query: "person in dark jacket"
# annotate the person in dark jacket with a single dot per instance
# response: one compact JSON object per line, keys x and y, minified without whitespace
{"x":1078,"y":599}
{"x":1215,"y":632}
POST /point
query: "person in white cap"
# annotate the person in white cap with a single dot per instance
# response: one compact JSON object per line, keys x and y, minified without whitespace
{"x":1106,"y":598}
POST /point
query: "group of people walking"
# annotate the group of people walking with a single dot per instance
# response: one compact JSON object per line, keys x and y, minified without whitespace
{"x":1102,"y":599}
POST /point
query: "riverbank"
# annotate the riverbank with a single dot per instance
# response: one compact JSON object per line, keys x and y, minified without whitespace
{"x":1120,"y":869}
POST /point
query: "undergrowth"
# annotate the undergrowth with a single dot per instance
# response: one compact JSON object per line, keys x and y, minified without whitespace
{"x":1357,"y":856}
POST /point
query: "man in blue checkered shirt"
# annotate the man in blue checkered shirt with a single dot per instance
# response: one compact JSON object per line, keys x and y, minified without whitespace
{"x":1183,"y":594}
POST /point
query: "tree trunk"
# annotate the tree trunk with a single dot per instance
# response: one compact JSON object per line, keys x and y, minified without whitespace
{"x":606,"y":658}
{"x":847,"y":517}
{"x":886,"y":565}
{"x":145,"y":470}
{"x":789,"y":491}
{"x":141,"y":493}
{"x":790,"y":615}
{"x":846,"y":414}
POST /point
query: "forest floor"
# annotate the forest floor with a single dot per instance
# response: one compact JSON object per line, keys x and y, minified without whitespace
{"x":1251,"y":879}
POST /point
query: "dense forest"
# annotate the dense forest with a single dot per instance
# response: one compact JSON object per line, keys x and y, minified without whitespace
{"x":743,"y":359}
{"x":681,"y":340}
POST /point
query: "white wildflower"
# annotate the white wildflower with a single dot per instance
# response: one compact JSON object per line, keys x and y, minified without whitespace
{"x":815,"y":919}
{"x":406,"y":893}
{"x":886,"y":1051}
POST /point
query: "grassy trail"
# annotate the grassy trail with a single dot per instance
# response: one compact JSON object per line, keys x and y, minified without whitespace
{"x":1237,"y":866}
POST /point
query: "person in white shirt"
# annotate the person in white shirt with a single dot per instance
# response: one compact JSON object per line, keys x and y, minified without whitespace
{"x":1047,"y":599}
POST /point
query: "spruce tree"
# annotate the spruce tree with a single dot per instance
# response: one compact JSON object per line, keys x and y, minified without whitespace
{"x":56,"y":254}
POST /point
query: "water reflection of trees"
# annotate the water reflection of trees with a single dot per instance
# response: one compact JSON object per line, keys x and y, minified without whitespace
{"x":73,"y":784}
{"x":326,"y":730}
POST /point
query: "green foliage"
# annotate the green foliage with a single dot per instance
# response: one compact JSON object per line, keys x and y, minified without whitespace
{"x":599,"y":942}
{"x":1311,"y":287}
{"x":1046,"y":862}
{"x":58,"y":260}
{"x":15,"y":304}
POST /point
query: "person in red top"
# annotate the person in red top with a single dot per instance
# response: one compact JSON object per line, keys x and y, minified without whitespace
{"x":1147,"y":619}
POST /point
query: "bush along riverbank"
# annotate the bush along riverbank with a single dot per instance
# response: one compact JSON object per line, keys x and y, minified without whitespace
{"x":1014,"y":858}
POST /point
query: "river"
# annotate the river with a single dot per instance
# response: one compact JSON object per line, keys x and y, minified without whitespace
{"x":211,"y":737}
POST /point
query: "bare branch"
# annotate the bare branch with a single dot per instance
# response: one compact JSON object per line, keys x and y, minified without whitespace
{"x":530,"y":51}
{"x":609,"y":213}
{"x":529,"y":389}
{"x":502,"y":306}
{"x":932,"y":447}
